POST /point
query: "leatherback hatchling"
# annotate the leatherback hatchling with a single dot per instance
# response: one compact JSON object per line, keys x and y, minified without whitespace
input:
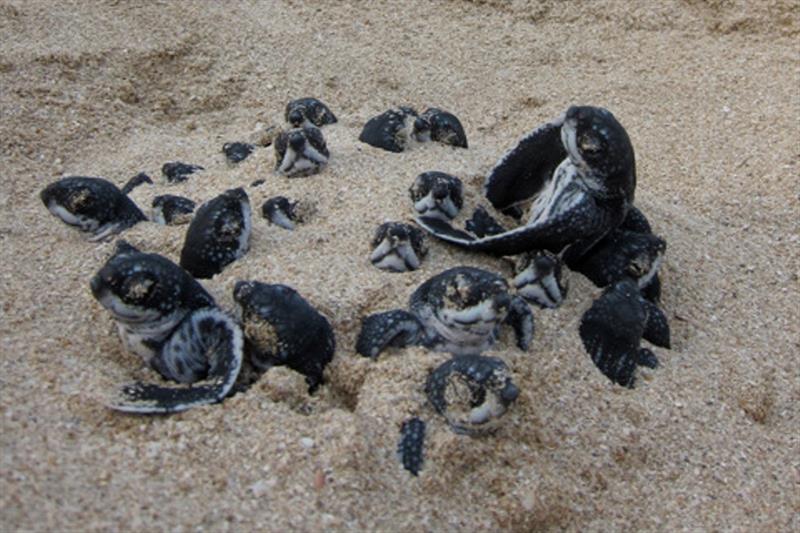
{"x":218,"y":235}
{"x":92,"y":205}
{"x":579,"y":170}
{"x":168,"y":319}
{"x":459,"y":311}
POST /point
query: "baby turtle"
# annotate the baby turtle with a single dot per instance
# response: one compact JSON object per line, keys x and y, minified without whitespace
{"x":395,"y":129}
{"x":236,"y":152}
{"x":398,"y":247}
{"x":170,"y":321}
{"x":612,"y":329}
{"x":301,"y":152}
{"x":176,"y":172}
{"x":281,"y":328}
{"x":171,"y":210}
{"x":92,"y":205}
{"x":286,"y":213}
{"x":218,"y":235}
{"x":443,"y":127}
{"x":472,"y":393}
{"x":580,"y":172}
{"x":459,"y":311}
{"x":308,"y":111}
{"x":538,"y":279}
{"x":437,"y":195}
{"x":630,"y":250}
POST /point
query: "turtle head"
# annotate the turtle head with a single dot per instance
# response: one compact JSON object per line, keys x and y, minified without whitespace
{"x":475,"y":301}
{"x":444,"y":127}
{"x":646,"y":253}
{"x":137,"y":287}
{"x":598,"y":145}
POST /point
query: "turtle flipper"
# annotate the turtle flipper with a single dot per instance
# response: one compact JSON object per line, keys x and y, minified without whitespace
{"x":647,"y":358}
{"x":656,"y":329}
{"x":616,"y":361}
{"x":207,"y":335}
{"x":520,"y":318}
{"x":611,"y":331}
{"x":585,"y":223}
{"x":139,"y":179}
{"x":410,"y":449}
{"x":636,"y":221}
{"x":525,"y":169}
{"x":482,"y":223}
{"x":391,"y":328}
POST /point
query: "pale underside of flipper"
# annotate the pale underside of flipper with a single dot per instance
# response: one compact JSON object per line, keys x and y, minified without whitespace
{"x":524,"y":170}
{"x":208,"y":335}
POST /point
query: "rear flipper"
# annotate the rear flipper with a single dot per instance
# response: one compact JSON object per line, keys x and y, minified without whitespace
{"x":410,"y":449}
{"x":656,"y":329}
{"x":520,"y":318}
{"x":392,"y":328}
{"x":207,"y":335}
{"x":483,"y":224}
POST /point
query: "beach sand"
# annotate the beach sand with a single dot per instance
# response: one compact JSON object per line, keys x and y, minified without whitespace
{"x":709,"y":92}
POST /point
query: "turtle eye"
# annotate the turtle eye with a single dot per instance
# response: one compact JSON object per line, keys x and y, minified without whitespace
{"x":590,"y":143}
{"x":138,"y":287}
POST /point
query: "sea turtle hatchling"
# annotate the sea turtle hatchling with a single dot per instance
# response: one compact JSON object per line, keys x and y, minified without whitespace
{"x":459,"y":311}
{"x":395,"y":129}
{"x":171,"y":210}
{"x":300,"y":152}
{"x":92,"y":205}
{"x":218,"y":235}
{"x":236,"y":152}
{"x":282,"y":328}
{"x":613,"y":327}
{"x":579,"y":170}
{"x":443,"y":127}
{"x":471,"y":392}
{"x":631,"y":250}
{"x":437,"y":194}
{"x":167,"y":318}
{"x":398,"y":247}
{"x":308,"y":111}
{"x":177,"y":171}
{"x":286,"y":213}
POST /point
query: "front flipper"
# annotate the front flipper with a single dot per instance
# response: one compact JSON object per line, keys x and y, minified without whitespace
{"x":616,"y":360}
{"x":392,"y":328}
{"x":482,"y":223}
{"x":525,"y":169}
{"x":410,"y":449}
{"x":520,"y":318}
{"x":209,"y":335}
{"x":656,"y":329}
{"x":585,"y":222}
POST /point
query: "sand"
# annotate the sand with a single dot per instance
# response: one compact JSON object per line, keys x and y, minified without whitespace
{"x":709,"y":92}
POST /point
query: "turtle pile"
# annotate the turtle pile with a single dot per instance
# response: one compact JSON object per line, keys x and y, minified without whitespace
{"x":575,"y":176}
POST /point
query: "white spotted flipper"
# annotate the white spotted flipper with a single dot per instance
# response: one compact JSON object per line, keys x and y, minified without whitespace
{"x":208,"y":346}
